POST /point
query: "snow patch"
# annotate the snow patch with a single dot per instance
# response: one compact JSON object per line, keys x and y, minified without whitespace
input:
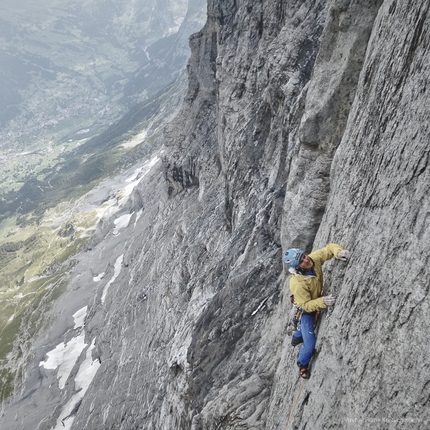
{"x":138,"y":215}
{"x":87,"y":371}
{"x":121,"y":223}
{"x":136,"y":140}
{"x":120,"y":196}
{"x":135,"y":179}
{"x":117,"y":271}
{"x":79,"y":317}
{"x":99,"y":277}
{"x":64,"y":357}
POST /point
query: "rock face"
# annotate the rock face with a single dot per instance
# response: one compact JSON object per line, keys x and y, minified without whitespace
{"x":304,"y":123}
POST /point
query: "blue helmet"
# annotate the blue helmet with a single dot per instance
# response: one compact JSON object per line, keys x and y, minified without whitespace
{"x":292,"y":257}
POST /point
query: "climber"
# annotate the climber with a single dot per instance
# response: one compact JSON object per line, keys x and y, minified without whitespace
{"x":306,"y":284}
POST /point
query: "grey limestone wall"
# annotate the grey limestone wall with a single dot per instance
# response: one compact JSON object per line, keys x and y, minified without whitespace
{"x":304,"y":123}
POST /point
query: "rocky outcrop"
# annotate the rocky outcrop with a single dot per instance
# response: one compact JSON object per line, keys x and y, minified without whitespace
{"x":328,"y":101}
{"x":304,"y":123}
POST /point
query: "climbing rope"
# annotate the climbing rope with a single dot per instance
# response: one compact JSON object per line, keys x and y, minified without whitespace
{"x":295,"y":403}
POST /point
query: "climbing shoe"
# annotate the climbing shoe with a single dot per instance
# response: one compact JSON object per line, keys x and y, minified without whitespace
{"x":304,"y":372}
{"x":296,"y":340}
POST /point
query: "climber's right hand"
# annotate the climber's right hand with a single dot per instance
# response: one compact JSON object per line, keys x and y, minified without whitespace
{"x":329,"y":300}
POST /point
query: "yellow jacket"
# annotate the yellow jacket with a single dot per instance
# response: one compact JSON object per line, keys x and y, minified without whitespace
{"x":307,"y":289}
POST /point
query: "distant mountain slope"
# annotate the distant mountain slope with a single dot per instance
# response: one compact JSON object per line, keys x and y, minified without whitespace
{"x":70,"y":59}
{"x":63,"y":73}
{"x":68,"y":72}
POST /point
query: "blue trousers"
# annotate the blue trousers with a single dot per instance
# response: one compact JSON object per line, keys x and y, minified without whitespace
{"x":305,"y":330}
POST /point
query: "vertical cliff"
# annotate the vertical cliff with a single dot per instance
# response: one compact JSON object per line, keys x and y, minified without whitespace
{"x":371,"y":346}
{"x":304,"y":122}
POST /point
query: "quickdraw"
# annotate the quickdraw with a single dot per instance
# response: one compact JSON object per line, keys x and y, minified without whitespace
{"x":296,"y":319}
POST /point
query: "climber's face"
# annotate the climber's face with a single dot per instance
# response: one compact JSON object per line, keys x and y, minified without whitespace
{"x":306,"y":262}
